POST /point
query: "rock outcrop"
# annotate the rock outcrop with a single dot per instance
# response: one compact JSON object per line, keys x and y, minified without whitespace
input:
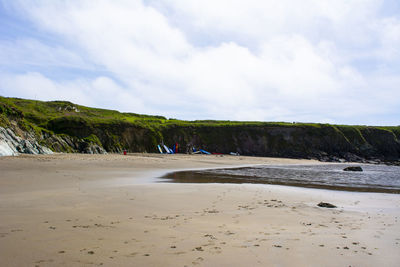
{"x":326,"y":205}
{"x":353,"y":169}
{"x":66,"y":127}
{"x":11,"y":144}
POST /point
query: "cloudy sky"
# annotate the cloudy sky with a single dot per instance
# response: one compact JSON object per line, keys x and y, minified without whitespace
{"x":335,"y":61}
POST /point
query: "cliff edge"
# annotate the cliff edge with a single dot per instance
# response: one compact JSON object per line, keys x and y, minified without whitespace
{"x":41,"y":127}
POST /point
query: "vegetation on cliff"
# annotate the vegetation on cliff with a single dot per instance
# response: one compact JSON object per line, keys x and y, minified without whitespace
{"x":64,"y":126}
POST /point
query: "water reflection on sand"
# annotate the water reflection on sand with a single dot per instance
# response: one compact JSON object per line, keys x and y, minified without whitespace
{"x":373,"y":178}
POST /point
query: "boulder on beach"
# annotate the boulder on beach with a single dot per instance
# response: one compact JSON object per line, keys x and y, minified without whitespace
{"x":326,"y":205}
{"x":353,"y":169}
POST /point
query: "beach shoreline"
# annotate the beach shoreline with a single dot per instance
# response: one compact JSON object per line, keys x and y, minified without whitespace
{"x":92,"y":210}
{"x":372,"y":178}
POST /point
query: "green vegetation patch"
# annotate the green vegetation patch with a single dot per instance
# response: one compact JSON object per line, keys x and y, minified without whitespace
{"x":116,"y":130}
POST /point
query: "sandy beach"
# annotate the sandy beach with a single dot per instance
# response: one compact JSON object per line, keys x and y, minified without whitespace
{"x":111,"y":210}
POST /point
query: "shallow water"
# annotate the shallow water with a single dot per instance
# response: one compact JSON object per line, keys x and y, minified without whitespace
{"x":373,"y":178}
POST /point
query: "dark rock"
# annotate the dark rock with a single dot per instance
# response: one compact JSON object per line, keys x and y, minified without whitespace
{"x":353,"y":169}
{"x":352,"y":157}
{"x":94,"y":149}
{"x":326,"y":205}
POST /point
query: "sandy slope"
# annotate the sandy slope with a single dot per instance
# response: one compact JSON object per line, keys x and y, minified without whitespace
{"x":84,"y":210}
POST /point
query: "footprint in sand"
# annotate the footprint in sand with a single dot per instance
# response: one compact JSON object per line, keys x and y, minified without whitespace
{"x":197,"y":261}
{"x":133,"y":254}
{"x":210,"y":236}
{"x":3,"y":234}
{"x":229,"y":233}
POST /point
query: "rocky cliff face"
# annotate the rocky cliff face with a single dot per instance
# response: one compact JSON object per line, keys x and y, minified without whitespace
{"x":14,"y":141}
{"x":11,"y":144}
{"x":326,"y":143}
{"x":38,"y":127}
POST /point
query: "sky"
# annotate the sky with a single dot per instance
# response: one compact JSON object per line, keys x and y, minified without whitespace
{"x":333,"y":61}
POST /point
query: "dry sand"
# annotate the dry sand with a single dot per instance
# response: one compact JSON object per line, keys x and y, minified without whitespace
{"x":90,"y":210}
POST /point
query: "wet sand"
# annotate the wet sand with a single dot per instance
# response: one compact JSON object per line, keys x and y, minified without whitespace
{"x":93,"y":210}
{"x":374,"y":178}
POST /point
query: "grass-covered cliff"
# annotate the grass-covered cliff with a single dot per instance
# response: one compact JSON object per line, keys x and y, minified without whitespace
{"x":67,"y":127}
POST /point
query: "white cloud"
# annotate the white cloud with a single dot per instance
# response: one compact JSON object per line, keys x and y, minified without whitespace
{"x":98,"y":92}
{"x":262,"y":60}
{"x":261,"y":20}
{"x":390,"y":39}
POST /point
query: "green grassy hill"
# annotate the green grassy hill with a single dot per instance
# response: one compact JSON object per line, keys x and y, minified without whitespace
{"x":64,"y":126}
